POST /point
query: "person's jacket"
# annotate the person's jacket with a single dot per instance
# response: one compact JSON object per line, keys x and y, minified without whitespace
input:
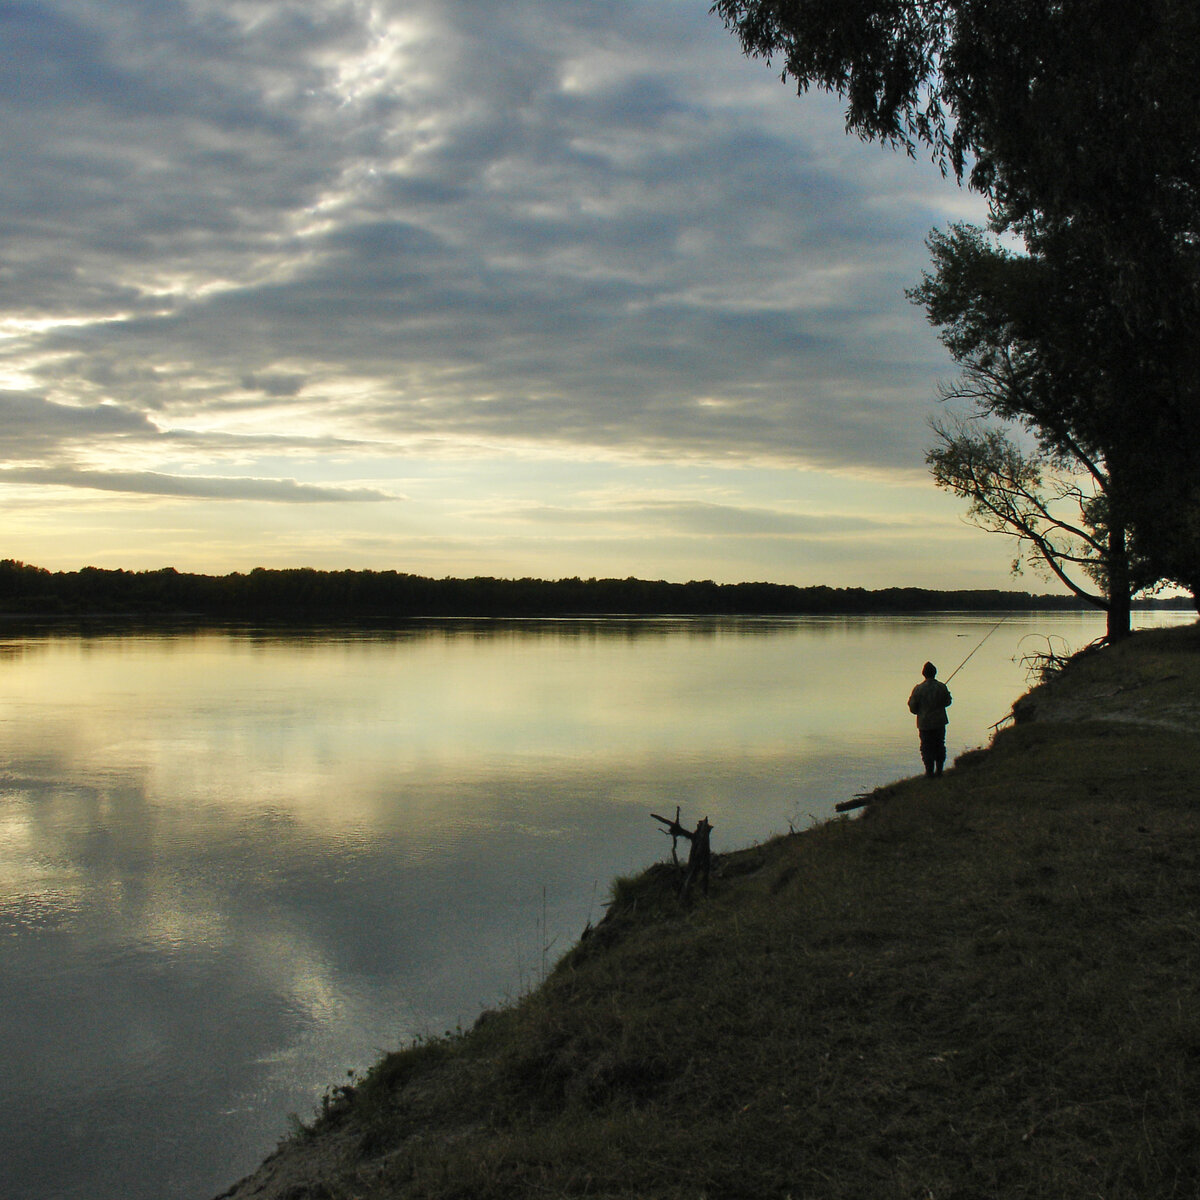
{"x":929,"y":700}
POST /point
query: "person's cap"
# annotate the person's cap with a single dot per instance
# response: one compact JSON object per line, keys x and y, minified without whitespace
{"x":928,"y":670}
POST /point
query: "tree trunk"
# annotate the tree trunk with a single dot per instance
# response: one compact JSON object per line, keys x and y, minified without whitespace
{"x":1118,"y":626}
{"x":1117,"y":570}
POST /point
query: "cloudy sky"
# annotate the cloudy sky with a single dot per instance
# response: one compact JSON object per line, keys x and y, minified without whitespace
{"x":457,"y":287}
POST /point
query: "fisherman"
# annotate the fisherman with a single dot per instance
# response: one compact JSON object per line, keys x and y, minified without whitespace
{"x":929,"y":700}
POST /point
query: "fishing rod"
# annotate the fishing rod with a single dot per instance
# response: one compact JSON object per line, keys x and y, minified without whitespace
{"x":980,"y":643}
{"x":865,"y":798}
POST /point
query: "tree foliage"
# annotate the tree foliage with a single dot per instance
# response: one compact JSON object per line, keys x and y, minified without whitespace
{"x":1060,"y":518}
{"x":1051,"y":108}
{"x":1005,"y":318}
{"x":1079,"y":120}
{"x":305,"y":595}
{"x":999,"y":315}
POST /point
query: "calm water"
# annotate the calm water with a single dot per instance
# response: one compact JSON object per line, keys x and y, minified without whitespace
{"x":234,"y":866}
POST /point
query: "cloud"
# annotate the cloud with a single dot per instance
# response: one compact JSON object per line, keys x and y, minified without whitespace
{"x":31,"y":424}
{"x":274,"y":385}
{"x":475,"y":251}
{"x":34,"y":428}
{"x":701,"y":519}
{"x":149,"y":483}
{"x":587,"y":224}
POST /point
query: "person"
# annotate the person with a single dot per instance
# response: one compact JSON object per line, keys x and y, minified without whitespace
{"x":929,"y":700}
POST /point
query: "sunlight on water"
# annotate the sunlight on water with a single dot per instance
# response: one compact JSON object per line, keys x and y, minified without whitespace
{"x":233,"y":866}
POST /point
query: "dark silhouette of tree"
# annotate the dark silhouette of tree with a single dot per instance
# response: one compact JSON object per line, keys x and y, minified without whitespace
{"x":1058,"y":515}
{"x":304,"y":596}
{"x":1079,"y":121}
{"x":999,"y":314}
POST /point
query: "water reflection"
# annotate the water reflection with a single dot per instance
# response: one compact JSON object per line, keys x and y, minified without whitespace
{"x":234,"y":865}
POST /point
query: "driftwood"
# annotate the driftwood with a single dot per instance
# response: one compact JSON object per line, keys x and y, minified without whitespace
{"x":880,"y":795}
{"x":859,"y":801}
{"x":699,"y":856}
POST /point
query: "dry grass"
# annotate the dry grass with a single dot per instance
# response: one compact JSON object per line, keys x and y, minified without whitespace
{"x":988,"y":986}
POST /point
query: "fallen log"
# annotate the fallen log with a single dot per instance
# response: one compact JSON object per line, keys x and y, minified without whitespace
{"x":859,"y":801}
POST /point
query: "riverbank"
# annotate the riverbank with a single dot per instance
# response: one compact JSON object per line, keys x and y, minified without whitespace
{"x":986,"y":985}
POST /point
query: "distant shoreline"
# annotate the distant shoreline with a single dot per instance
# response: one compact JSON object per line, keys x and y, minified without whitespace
{"x":305,"y":594}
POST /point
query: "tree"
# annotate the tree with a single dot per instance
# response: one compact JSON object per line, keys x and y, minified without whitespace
{"x":1008,"y":319}
{"x":1001,"y":317}
{"x":1078,"y":120}
{"x":1051,"y":108}
{"x":1060,"y":518}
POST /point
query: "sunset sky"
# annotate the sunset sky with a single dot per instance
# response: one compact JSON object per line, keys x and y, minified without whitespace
{"x":459,"y":287}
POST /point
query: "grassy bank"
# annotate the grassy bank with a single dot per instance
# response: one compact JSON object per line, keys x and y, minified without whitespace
{"x":986,"y":986}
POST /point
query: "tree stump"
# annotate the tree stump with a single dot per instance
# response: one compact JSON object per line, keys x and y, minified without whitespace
{"x":699,"y":859}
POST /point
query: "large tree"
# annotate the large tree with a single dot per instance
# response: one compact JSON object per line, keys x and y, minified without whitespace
{"x":1056,"y":508}
{"x":1051,"y":108}
{"x":1000,"y":314}
{"x":1079,"y":120}
{"x":1007,"y":320}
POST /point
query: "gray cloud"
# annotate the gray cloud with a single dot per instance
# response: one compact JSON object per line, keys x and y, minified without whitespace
{"x":150,"y":483}
{"x":700,"y":519}
{"x":34,"y":428}
{"x":31,"y":424}
{"x":725,"y":519}
{"x":274,"y":385}
{"x":579,"y":222}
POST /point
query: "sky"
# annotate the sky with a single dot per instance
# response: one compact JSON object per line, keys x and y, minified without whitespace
{"x":544,"y":288}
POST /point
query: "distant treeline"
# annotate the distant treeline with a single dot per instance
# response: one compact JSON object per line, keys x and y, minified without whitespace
{"x":306,"y":594}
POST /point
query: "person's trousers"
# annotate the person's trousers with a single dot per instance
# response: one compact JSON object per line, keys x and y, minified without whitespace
{"x":933,"y":749}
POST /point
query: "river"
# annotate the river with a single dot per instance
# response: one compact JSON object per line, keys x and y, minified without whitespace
{"x":235,"y":865}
